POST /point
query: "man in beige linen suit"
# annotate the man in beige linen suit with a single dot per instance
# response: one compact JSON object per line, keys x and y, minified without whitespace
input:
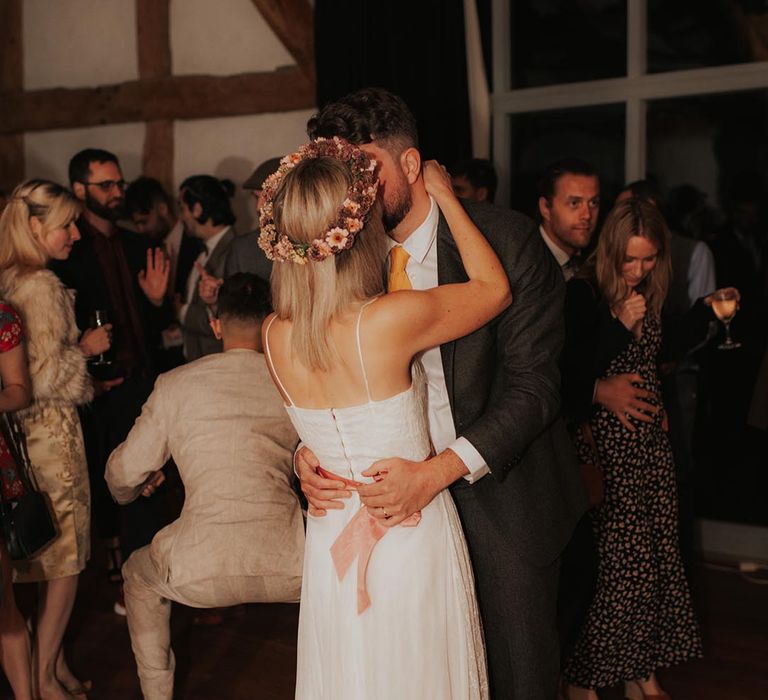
{"x":240,"y":536}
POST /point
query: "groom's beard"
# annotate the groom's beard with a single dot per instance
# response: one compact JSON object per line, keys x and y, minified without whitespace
{"x":397,"y":209}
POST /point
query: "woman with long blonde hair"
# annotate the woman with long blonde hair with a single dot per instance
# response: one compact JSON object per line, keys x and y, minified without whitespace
{"x":403,"y":621}
{"x":38,"y":225}
{"x":641,"y":617}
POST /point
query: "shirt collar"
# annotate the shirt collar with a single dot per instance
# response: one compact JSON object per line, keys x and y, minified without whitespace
{"x":213,"y":241}
{"x":560,"y":255}
{"x":418,"y":244}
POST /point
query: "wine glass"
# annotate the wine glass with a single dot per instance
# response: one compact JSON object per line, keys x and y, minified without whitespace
{"x":99,"y":318}
{"x":725,"y":303}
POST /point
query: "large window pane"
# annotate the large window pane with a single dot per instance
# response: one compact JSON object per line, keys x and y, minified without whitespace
{"x":562,"y":41}
{"x":595,"y":134}
{"x":710,"y":156}
{"x":694,"y":34}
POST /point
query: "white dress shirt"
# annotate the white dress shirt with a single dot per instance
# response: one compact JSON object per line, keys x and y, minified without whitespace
{"x":194,"y":274}
{"x":421,"y":269}
{"x":561,"y":256}
{"x":701,"y":272}
{"x":172,"y":248}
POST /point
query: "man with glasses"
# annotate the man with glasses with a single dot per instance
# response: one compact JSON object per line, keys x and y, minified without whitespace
{"x":117,"y":273}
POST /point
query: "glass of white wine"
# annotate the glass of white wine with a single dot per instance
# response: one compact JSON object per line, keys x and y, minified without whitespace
{"x":725,"y":303}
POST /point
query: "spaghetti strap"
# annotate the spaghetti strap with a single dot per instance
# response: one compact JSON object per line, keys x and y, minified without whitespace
{"x":272,"y":364}
{"x":360,"y":350}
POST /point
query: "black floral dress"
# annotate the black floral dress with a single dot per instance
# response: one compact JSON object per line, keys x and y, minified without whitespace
{"x":641,"y":617}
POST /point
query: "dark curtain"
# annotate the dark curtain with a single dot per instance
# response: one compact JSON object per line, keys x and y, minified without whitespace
{"x":415,"y":48}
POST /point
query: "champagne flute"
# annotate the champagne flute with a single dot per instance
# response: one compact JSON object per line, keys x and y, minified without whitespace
{"x":725,"y":303}
{"x":99,"y":318}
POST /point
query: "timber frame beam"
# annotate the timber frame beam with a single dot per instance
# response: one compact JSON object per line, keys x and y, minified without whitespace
{"x":157,"y":97}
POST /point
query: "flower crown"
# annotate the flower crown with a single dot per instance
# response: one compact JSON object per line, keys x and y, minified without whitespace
{"x":351,"y":217}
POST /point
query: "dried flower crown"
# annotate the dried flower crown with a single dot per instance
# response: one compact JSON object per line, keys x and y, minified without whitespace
{"x":351,"y":217}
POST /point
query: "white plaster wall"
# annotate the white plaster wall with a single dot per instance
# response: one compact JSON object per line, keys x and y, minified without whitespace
{"x":222,"y":37}
{"x":47,"y":153}
{"x":233,"y":147}
{"x":78,"y":43}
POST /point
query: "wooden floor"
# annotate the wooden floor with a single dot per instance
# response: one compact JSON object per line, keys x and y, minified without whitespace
{"x":252,"y":654}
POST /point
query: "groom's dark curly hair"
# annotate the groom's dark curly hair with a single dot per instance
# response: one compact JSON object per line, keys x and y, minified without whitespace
{"x":365,"y":116}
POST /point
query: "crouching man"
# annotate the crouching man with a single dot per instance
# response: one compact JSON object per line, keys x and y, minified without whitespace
{"x":240,"y":536}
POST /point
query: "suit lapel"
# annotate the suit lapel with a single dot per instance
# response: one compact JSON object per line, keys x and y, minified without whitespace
{"x":214,"y":263}
{"x":444,"y":276}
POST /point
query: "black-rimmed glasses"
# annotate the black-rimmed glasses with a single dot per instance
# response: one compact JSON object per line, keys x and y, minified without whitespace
{"x":107,"y":185}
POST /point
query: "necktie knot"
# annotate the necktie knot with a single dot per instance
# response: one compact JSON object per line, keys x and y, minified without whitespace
{"x":398,"y":278}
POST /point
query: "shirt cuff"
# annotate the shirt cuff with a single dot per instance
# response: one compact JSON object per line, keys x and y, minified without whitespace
{"x":471,"y":458}
{"x":300,"y":446}
{"x":183,"y":313}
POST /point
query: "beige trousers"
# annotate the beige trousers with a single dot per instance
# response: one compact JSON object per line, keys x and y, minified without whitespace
{"x":148,"y":604}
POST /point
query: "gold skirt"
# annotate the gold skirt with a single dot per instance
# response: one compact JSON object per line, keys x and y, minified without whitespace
{"x":57,"y":455}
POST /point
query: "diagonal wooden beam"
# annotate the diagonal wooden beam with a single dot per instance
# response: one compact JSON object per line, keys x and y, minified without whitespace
{"x":293,"y":21}
{"x":153,"y":37}
{"x":11,"y":80}
{"x":173,"y":97}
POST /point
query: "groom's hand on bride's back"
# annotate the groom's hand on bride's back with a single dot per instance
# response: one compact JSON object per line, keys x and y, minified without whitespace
{"x":402,"y":487}
{"x":321,"y":493}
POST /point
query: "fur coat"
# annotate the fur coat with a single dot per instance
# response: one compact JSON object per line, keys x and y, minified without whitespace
{"x":57,"y":365}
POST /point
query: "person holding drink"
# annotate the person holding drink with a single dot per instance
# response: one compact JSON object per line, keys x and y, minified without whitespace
{"x":641,"y":617}
{"x":38,"y":226}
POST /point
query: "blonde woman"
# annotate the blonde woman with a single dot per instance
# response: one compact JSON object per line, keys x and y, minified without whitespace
{"x":387,"y":612}
{"x":641,"y":618}
{"x":38,"y":225}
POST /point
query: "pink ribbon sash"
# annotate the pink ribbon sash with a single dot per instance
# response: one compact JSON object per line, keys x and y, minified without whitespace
{"x":357,"y":539}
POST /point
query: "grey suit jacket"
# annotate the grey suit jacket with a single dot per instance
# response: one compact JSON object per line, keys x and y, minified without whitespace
{"x":503,"y":383}
{"x":198,"y":336}
{"x":246,"y":256}
{"x":224,"y":424}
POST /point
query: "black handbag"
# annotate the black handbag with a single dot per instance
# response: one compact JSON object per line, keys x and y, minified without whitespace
{"x":27,"y":524}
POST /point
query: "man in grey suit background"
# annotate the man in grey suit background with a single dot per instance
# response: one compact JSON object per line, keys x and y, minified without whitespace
{"x":493,"y":408}
{"x":206,"y":212}
{"x":240,"y":537}
{"x":244,"y":253}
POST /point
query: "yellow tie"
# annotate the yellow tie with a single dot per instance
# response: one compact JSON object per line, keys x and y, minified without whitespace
{"x":398,"y":278}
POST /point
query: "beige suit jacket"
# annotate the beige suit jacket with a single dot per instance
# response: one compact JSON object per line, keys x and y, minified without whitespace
{"x":224,"y":424}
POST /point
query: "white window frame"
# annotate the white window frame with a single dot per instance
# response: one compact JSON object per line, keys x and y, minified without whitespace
{"x":634,"y":90}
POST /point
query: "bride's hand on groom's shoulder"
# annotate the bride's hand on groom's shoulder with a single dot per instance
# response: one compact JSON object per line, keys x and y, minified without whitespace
{"x":401,"y":489}
{"x":322,"y":494}
{"x":437,"y":180}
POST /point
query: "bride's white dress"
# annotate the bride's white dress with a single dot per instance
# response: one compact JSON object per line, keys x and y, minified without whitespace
{"x":420,"y":637}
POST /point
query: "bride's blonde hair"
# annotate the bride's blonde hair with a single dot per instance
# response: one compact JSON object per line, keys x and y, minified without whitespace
{"x":307,"y":201}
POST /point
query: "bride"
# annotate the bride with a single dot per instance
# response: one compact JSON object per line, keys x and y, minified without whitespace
{"x":385,"y":612}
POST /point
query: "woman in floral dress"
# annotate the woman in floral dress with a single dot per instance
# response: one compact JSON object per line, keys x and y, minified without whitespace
{"x":15,"y":395}
{"x":641,"y":618}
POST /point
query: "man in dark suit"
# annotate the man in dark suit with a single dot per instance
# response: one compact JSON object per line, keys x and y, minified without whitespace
{"x":206,"y":212}
{"x":493,"y":405}
{"x":115,"y":271}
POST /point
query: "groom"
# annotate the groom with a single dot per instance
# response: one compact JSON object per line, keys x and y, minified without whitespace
{"x":493,"y":406}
